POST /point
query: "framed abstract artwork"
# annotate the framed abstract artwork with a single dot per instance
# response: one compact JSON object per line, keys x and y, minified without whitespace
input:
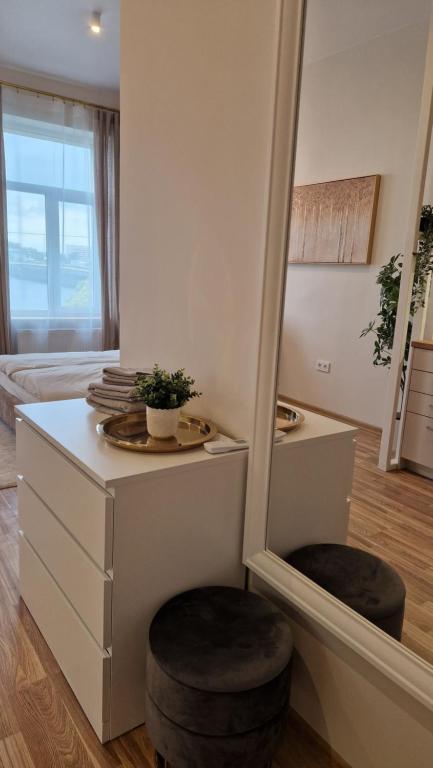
{"x":333,"y":222}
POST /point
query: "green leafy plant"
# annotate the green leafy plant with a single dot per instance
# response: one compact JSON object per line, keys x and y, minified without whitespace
{"x":389,"y":277}
{"x":162,"y":389}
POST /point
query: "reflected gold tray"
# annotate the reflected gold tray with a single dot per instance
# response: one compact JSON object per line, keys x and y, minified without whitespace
{"x":129,"y":430}
{"x":287,"y":418}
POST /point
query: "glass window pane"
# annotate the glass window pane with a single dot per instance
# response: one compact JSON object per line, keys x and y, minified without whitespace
{"x":78,"y":168}
{"x":79,"y":268}
{"x":54,"y":263}
{"x":28,"y":274}
{"x":48,"y":160}
{"x":31,"y":160}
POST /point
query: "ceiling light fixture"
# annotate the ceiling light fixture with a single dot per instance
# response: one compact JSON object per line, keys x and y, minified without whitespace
{"x":95,"y":24}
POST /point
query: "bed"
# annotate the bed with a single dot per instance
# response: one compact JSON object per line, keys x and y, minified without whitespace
{"x":40,"y":377}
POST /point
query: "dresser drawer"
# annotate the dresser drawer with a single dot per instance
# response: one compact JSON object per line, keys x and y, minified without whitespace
{"x":83,"y":508}
{"x":418,"y":439}
{"x":421,"y":381}
{"x":422,"y":359}
{"x":419,"y":403}
{"x":86,"y":587}
{"x":85,"y":666}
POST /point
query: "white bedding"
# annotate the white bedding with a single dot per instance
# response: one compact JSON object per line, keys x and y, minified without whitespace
{"x":53,"y":376}
{"x":15,"y":390}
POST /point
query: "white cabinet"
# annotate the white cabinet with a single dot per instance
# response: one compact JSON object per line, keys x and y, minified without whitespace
{"x":83,"y":508}
{"x":417,"y":441}
{"x":109,"y":535}
{"x":310,"y":486}
{"x":106,"y":537}
{"x":84,"y":663}
{"x":87,"y":588}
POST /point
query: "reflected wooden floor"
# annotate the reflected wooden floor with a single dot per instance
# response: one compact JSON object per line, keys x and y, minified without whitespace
{"x":41,"y":722}
{"x":392,"y":517}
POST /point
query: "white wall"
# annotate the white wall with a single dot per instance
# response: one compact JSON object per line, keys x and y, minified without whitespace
{"x":105,"y":97}
{"x":367,"y":719}
{"x":197,"y":91}
{"x":358,"y":116}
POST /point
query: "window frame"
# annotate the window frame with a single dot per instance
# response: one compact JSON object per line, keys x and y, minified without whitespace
{"x":53,"y":198}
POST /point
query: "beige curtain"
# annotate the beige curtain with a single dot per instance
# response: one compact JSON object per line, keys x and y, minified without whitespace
{"x":106,"y":154}
{"x":52,"y":309}
{"x":5,"y":330}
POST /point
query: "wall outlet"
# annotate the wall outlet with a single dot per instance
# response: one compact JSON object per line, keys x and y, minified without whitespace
{"x":324,"y":366}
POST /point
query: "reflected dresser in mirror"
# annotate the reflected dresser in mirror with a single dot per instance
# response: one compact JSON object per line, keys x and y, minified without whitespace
{"x":417,"y":441}
{"x":312,"y":471}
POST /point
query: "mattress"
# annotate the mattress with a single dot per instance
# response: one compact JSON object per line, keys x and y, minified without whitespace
{"x":15,"y":390}
{"x":41,"y":377}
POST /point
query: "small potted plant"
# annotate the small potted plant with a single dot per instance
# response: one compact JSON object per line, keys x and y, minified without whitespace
{"x":164,"y":394}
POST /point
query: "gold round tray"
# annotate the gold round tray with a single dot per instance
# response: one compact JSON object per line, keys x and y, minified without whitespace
{"x":129,"y":430}
{"x":287,"y":418}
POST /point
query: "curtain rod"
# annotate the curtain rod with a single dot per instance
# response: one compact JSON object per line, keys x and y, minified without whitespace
{"x":51,"y":95}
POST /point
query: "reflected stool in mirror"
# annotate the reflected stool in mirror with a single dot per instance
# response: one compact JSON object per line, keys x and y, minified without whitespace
{"x":359,"y":579}
{"x":218,"y":679}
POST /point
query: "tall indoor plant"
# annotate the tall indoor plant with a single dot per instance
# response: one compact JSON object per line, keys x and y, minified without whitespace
{"x":389,"y":278}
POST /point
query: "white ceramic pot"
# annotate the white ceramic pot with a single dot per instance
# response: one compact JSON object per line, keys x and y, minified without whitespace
{"x":162,"y":422}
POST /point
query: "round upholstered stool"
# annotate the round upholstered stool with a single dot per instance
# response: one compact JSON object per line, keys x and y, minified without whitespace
{"x":362,"y":581}
{"x":218,"y":677}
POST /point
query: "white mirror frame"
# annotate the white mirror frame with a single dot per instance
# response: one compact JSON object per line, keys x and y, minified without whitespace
{"x":395,"y":661}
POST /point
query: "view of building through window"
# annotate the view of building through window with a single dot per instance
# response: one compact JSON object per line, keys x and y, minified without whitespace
{"x":53,"y":259}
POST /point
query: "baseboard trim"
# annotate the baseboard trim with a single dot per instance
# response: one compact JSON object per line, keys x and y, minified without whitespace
{"x":331,"y":414}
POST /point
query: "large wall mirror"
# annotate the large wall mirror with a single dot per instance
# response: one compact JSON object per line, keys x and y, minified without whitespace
{"x":343,"y":540}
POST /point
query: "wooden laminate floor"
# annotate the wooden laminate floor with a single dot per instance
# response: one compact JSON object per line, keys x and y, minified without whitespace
{"x":392,"y":517}
{"x":41,"y":722}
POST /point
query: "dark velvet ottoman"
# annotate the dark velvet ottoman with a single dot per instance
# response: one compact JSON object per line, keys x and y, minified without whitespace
{"x":362,"y":581}
{"x":218,"y":678}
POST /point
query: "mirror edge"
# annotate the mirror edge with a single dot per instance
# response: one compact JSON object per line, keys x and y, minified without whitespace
{"x":286,"y":103}
{"x":392,"y":659}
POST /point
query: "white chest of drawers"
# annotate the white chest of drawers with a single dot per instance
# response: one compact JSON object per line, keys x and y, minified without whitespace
{"x":417,"y":441}
{"x":311,"y":485}
{"x":106,"y":537}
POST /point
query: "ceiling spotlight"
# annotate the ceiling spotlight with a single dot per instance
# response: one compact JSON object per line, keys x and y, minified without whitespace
{"x":95,"y":24}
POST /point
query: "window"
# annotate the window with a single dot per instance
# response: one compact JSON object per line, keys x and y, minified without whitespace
{"x":53,"y":255}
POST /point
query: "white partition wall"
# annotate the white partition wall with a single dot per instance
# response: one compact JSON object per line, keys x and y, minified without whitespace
{"x":197,"y":101}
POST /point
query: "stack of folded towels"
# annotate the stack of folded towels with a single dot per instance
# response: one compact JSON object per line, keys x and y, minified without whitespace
{"x":116,"y":392}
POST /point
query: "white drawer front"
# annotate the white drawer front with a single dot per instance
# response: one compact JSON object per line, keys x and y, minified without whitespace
{"x":88,"y":589}
{"x":84,"y":509}
{"x":418,"y":440}
{"x":422,"y":359}
{"x":421,"y":381}
{"x":85,"y":666}
{"x":420,"y":403}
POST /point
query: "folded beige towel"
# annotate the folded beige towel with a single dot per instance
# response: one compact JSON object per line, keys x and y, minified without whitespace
{"x":102,"y":388}
{"x":121,"y":406}
{"x":125,"y":373}
{"x":117,"y":380}
{"x":102,"y":408}
{"x":114,"y":396}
